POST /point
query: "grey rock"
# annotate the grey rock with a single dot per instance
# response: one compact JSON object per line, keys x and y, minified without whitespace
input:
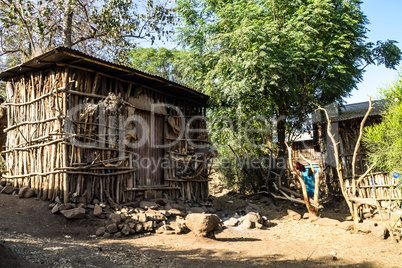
{"x":247,"y":224}
{"x":112,"y":228}
{"x":22,"y":191}
{"x":142,"y":217}
{"x":97,"y":210}
{"x":253,"y":217}
{"x":203,"y":224}
{"x":29,"y":193}
{"x":115,"y":218}
{"x":100,"y":231}
{"x":75,"y":213}
{"x":139,"y":228}
{"x":8,"y":189}
{"x":107,"y":235}
{"x":125,"y":230}
{"x":231,"y":222}
{"x":380,"y":231}
{"x":294,"y":215}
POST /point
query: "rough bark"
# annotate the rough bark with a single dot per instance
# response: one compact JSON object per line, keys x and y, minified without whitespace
{"x":67,"y":24}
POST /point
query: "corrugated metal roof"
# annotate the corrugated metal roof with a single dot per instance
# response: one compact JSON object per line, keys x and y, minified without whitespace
{"x":63,"y":55}
{"x":358,"y":110}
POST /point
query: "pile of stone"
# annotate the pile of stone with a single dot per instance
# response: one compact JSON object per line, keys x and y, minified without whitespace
{"x":248,"y":218}
{"x":23,"y":192}
{"x":160,"y":216}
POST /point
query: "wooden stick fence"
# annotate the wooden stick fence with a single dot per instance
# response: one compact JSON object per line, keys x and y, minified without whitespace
{"x":80,"y":156}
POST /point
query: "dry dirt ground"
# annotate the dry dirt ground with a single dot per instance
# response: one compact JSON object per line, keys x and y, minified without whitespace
{"x":30,"y":236}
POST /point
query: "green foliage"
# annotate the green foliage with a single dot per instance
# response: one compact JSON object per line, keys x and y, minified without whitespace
{"x":384,"y":140}
{"x":101,"y":27}
{"x":275,"y":59}
{"x":163,"y":62}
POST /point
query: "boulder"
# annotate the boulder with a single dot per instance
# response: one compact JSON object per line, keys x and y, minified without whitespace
{"x":118,"y":235}
{"x":380,"y":231}
{"x":139,"y":228}
{"x":97,"y":210}
{"x":131,"y":224}
{"x":176,"y":212}
{"x":179,"y":227}
{"x":75,"y":213}
{"x":29,"y":193}
{"x":100,"y":231}
{"x":148,"y":205}
{"x":247,"y":224}
{"x":55,"y":208}
{"x":125,"y":230}
{"x":142,"y":217}
{"x":253,"y":217}
{"x":155,"y":215}
{"x":327,"y":222}
{"x":294,"y":215}
{"x":8,"y":189}
{"x":112,"y":228}
{"x":149,"y":226}
{"x":115,"y":218}
{"x":106,"y":235}
{"x":22,"y":191}
{"x":231,"y":222}
{"x":203,"y":224}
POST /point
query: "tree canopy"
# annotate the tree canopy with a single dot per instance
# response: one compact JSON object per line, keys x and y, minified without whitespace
{"x":102,"y":28}
{"x":278,"y":58}
{"x":384,"y":140}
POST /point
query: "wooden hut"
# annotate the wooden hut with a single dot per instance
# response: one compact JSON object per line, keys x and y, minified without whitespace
{"x":81,"y":128}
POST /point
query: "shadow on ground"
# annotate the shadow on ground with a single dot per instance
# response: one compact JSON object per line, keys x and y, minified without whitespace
{"x":121,"y":254}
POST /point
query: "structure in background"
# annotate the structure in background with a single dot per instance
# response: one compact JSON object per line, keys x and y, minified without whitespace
{"x":317,"y":148}
{"x":81,"y":128}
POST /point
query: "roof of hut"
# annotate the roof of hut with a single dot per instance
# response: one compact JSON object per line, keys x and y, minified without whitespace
{"x":62,"y":56}
{"x":358,"y":110}
{"x":350,"y":111}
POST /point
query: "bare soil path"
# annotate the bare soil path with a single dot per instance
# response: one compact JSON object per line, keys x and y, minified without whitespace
{"x":30,"y":236}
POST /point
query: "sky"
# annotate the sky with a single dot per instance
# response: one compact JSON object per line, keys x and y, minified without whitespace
{"x":385,"y":23}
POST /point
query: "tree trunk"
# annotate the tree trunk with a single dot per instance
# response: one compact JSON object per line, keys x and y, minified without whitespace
{"x":67,"y":24}
{"x":281,"y":131}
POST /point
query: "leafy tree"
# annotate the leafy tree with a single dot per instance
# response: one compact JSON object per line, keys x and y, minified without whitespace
{"x":163,"y":62}
{"x":384,"y":140}
{"x":106,"y":28}
{"x":276,"y":57}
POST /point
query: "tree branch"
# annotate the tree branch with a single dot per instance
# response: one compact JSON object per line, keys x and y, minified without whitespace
{"x":358,"y":144}
{"x":23,"y":21}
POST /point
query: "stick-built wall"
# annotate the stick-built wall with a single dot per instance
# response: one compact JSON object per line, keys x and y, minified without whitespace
{"x":76,"y":134}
